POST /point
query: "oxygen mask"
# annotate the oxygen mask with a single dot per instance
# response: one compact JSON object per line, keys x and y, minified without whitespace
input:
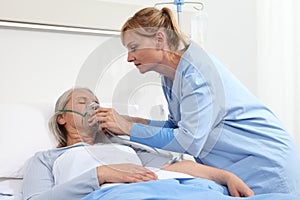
{"x":89,"y":111}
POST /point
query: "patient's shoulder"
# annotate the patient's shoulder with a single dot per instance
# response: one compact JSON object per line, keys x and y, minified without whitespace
{"x":51,"y":155}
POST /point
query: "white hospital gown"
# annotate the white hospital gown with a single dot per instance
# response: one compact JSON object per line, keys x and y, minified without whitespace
{"x":70,"y":172}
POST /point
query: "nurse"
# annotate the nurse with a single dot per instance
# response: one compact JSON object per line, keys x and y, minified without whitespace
{"x":212,"y":116}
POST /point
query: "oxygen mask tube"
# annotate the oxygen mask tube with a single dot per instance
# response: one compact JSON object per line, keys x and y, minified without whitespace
{"x":92,"y":107}
{"x":142,"y":146}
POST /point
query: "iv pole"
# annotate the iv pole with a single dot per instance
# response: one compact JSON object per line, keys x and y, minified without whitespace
{"x":179,"y":4}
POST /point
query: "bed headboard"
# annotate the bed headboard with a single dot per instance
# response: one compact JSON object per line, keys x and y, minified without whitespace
{"x":23,"y":132}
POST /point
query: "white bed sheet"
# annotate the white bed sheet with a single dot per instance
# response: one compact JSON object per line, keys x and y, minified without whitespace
{"x":11,"y":188}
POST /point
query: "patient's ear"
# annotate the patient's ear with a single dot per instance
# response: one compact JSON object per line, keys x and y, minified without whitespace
{"x":61,"y":119}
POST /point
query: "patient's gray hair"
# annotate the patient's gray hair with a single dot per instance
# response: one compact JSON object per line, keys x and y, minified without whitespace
{"x":58,"y":130}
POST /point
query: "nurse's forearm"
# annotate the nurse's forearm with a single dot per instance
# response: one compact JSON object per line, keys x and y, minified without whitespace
{"x":136,"y":119}
{"x":235,"y":185}
{"x":198,"y":170}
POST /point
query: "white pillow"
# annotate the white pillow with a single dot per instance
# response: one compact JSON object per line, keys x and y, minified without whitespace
{"x":78,"y":160}
{"x":23,"y":132}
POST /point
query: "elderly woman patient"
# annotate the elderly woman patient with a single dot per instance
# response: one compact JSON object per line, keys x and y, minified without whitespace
{"x":42,"y":180}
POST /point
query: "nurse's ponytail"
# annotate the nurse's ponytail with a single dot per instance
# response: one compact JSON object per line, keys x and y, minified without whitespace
{"x":149,"y":21}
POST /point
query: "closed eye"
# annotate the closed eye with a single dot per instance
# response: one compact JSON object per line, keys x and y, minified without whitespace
{"x":133,"y":48}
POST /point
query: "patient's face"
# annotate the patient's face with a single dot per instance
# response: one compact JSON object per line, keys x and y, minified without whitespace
{"x":74,"y":122}
{"x":80,"y":99}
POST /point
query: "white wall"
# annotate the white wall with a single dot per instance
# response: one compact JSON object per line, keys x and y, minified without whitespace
{"x":96,"y":14}
{"x":37,"y":66}
{"x":232,"y":37}
{"x":231,"y":33}
{"x":40,"y":62}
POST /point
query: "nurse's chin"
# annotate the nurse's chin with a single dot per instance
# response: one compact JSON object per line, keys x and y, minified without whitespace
{"x":142,"y":71}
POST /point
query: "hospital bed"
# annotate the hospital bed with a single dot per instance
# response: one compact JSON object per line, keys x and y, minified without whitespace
{"x":24,"y":131}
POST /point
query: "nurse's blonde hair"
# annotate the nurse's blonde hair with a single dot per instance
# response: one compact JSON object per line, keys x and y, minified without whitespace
{"x":148,"y":21}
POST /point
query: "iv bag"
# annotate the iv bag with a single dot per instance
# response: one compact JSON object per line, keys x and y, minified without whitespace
{"x":199,"y":27}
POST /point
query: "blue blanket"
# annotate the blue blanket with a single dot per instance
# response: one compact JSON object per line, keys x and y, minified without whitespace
{"x":176,"y":189}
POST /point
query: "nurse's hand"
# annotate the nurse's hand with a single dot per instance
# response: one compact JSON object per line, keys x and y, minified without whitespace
{"x":124,"y":173}
{"x":111,"y":120}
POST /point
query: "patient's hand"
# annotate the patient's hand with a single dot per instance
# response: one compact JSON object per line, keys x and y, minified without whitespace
{"x":237,"y":187}
{"x":124,"y":173}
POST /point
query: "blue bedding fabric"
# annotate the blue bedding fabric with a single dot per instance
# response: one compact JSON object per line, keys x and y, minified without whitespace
{"x":176,"y":189}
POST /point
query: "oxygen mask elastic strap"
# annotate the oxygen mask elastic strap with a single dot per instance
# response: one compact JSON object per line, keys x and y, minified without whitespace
{"x":88,"y":110}
{"x":73,"y":111}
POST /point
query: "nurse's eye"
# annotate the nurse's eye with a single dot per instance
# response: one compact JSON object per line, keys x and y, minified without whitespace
{"x":133,"y":48}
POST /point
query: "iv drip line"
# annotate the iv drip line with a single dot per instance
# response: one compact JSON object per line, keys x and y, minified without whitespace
{"x":179,"y":4}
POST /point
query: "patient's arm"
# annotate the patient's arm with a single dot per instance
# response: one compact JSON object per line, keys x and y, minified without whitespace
{"x":235,"y":185}
{"x":124,"y":173}
{"x":39,"y":180}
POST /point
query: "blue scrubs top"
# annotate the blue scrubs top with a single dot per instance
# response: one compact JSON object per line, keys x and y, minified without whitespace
{"x":214,"y":118}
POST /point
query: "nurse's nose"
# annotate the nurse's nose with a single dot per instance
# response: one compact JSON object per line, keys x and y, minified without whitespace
{"x":130,"y":57}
